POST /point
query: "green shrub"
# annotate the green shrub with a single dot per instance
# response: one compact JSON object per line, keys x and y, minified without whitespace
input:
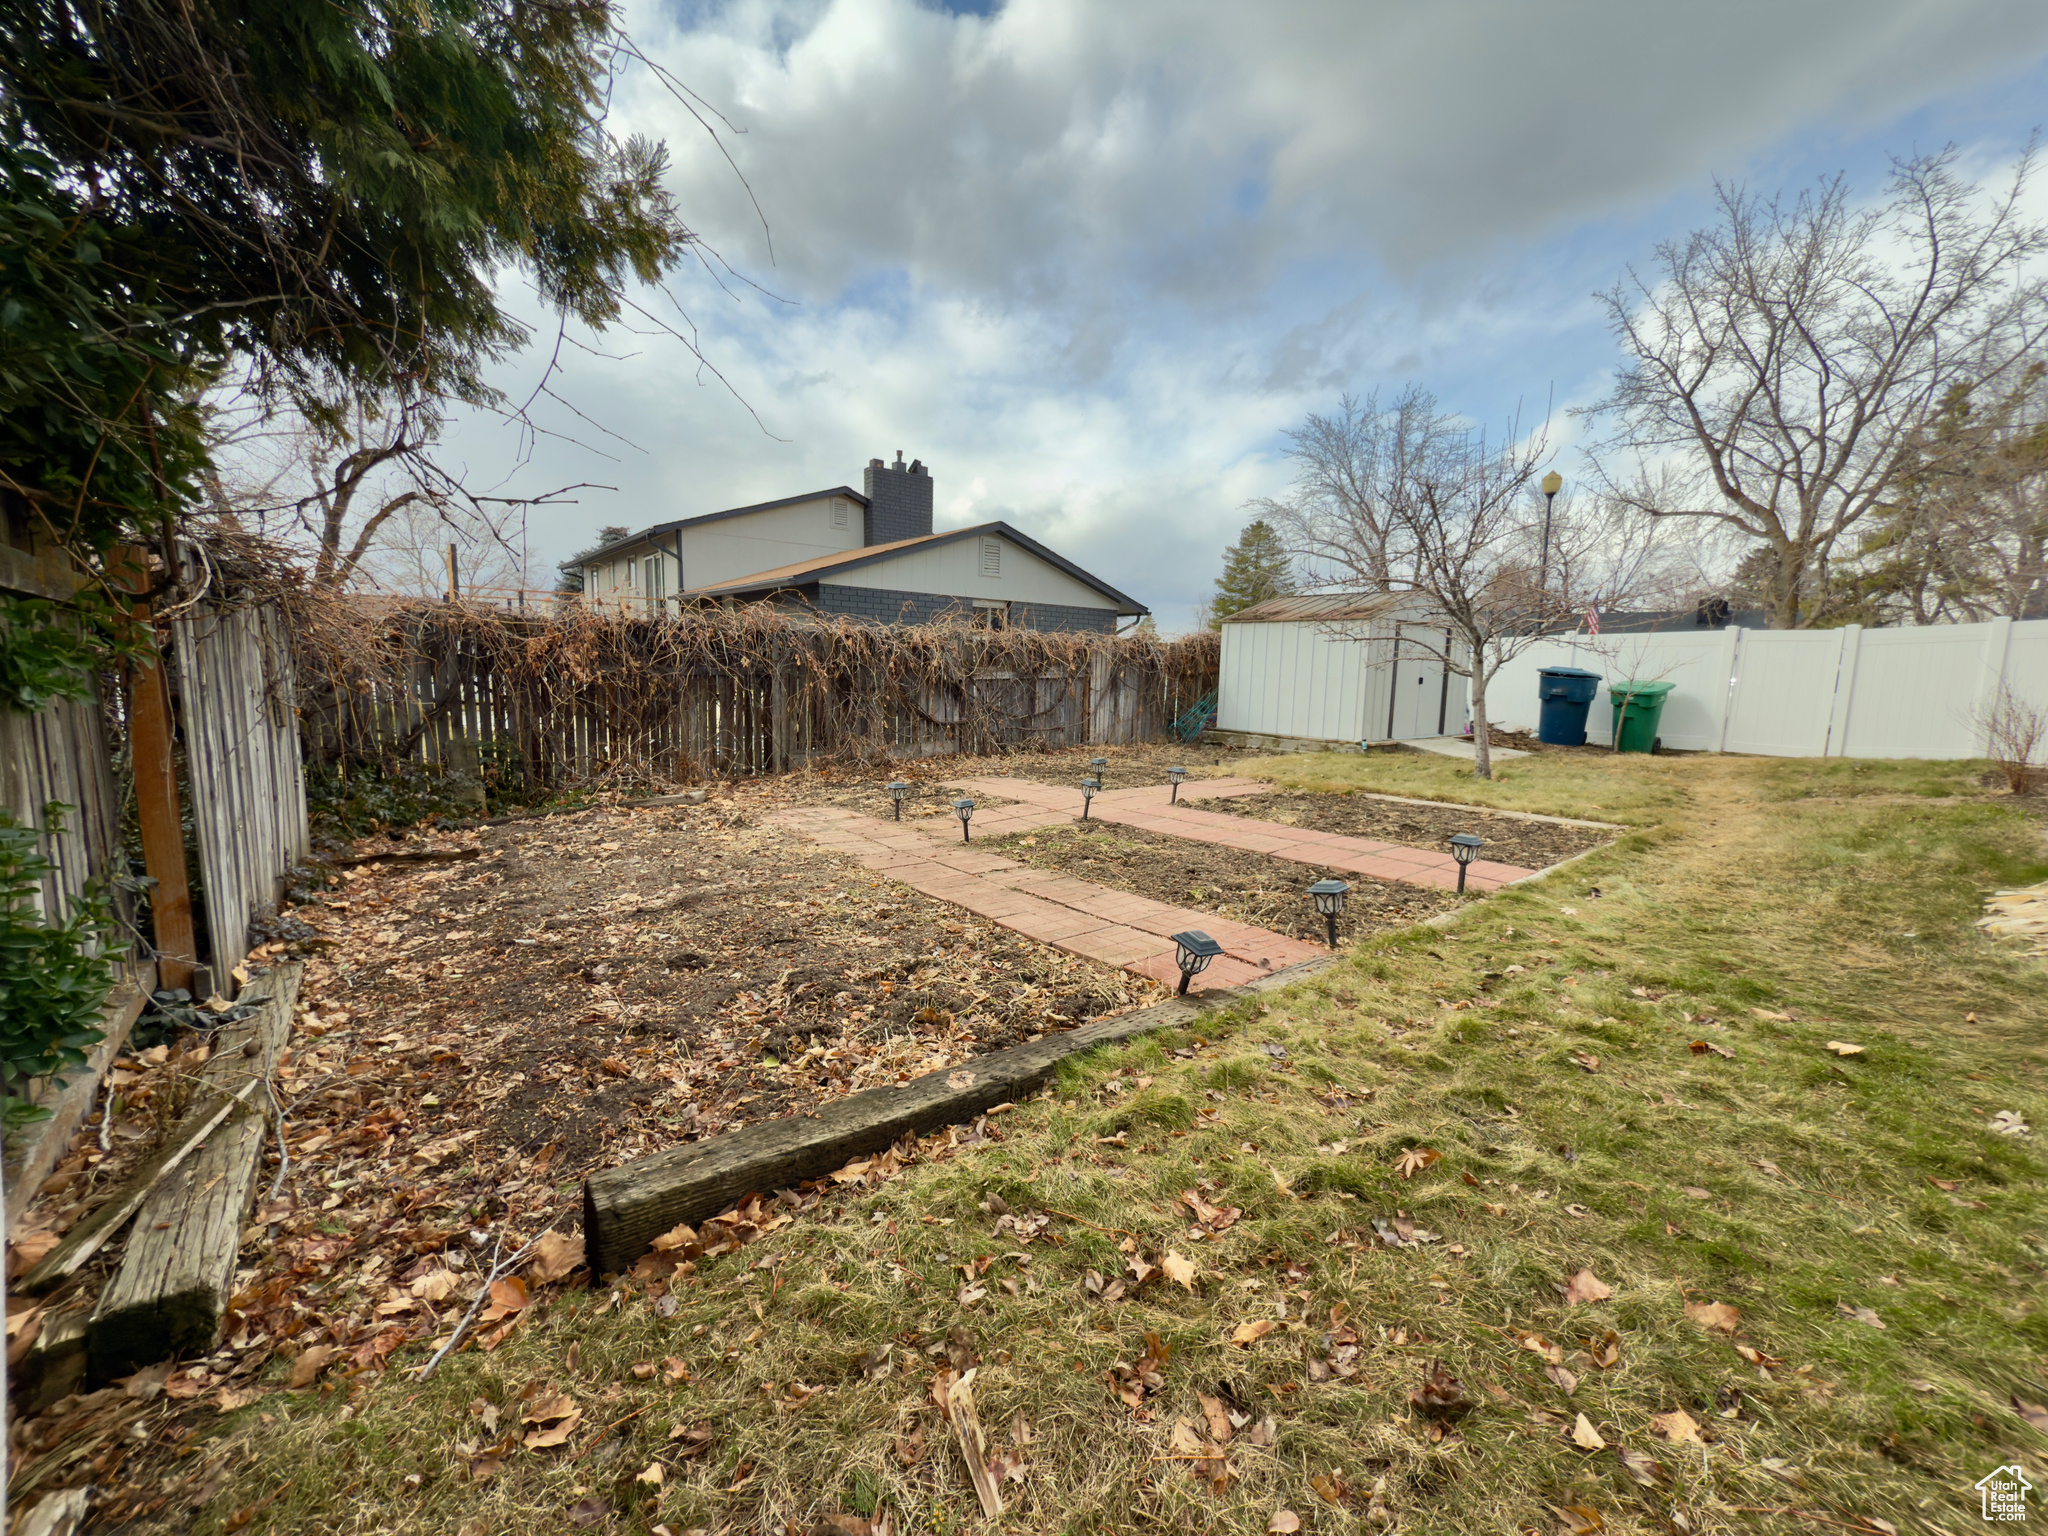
{"x":54,"y":975}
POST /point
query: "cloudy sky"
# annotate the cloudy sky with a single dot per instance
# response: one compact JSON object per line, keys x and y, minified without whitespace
{"x":1089,"y":258}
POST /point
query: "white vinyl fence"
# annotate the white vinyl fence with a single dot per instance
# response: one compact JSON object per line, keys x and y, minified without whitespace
{"x":1853,"y":692}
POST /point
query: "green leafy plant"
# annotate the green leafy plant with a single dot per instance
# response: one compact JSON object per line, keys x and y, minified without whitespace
{"x":54,"y":975}
{"x":51,"y":650}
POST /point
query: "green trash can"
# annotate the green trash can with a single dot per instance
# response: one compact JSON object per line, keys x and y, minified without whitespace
{"x":1637,"y":709}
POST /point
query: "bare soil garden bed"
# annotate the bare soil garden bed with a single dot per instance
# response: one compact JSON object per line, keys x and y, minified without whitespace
{"x":479,"y":1032}
{"x":1234,"y":883}
{"x":1530,"y":844}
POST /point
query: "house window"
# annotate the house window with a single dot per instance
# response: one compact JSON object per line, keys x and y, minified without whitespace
{"x":657,"y":577}
{"x":839,"y":511}
{"x":991,"y":557}
{"x":988,"y":615}
{"x":632,"y":573}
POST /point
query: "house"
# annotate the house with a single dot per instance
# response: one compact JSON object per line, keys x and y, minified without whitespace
{"x":868,"y":554}
{"x":1336,"y":668}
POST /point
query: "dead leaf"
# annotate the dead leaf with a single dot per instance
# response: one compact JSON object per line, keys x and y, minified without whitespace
{"x":1696,"y":1192}
{"x":1717,"y":1316}
{"x":555,"y":1255}
{"x":1565,"y":1380}
{"x":1861,"y":1314}
{"x":1642,"y":1466}
{"x":510,"y":1295}
{"x":1758,"y":1358}
{"x":2033,"y":1413}
{"x":1585,"y":1436}
{"x":435,"y":1285}
{"x":1415,"y":1159}
{"x":909,"y":1448}
{"x":1587,"y":1062}
{"x":1580,"y":1519}
{"x":653,"y":1473}
{"x":585,"y":1513}
{"x":309,"y":1365}
{"x":1586,"y":1286}
{"x":1181,"y":1271}
{"x":1441,"y":1395}
{"x":1778,"y":1018}
{"x":1605,"y":1352}
{"x":550,"y":1435}
{"x":1677,"y":1426}
{"x":1251,"y":1333}
{"x":1283,"y":1522}
{"x":1844,"y":1048}
{"x":1218,"y":1417}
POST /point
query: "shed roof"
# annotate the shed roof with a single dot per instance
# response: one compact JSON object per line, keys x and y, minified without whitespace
{"x":1316,"y":607}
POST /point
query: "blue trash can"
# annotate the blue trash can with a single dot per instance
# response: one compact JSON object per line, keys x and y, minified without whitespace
{"x":1567,"y":694}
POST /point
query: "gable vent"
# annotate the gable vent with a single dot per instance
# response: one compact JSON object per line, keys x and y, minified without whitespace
{"x":991,"y":557}
{"x":839,"y":511}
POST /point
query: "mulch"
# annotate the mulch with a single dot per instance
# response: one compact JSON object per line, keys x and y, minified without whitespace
{"x":1249,"y":887}
{"x":1530,"y":844}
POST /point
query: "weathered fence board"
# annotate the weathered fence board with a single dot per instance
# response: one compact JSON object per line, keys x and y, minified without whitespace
{"x":239,"y":709}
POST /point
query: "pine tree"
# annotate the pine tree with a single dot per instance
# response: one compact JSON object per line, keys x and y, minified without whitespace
{"x":1254,"y":569}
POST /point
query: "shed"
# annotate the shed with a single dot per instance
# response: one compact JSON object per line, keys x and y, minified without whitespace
{"x":1332,"y":668}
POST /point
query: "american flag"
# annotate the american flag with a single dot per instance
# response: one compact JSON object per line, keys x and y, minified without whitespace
{"x":1593,"y":620}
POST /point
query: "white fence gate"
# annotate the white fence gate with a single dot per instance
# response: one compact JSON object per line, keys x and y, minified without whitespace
{"x":1911,"y":692}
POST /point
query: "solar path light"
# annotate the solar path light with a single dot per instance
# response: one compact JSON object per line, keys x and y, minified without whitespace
{"x":1176,"y":777}
{"x":1193,"y":951}
{"x":964,"y":809}
{"x":1464,"y":848}
{"x":1089,"y":788}
{"x":1098,"y":764}
{"x":898,"y":792}
{"x":1329,"y":898}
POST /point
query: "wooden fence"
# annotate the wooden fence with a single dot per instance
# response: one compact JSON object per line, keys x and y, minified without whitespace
{"x":58,"y":755}
{"x":747,"y":692}
{"x":238,"y":713}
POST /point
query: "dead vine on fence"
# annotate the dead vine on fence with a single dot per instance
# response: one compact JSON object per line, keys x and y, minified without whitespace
{"x":571,"y":692}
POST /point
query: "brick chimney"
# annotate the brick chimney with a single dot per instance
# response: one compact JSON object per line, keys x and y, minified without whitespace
{"x":899,"y":500}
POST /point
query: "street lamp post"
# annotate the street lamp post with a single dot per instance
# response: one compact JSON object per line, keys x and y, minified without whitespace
{"x":1552,"y":484}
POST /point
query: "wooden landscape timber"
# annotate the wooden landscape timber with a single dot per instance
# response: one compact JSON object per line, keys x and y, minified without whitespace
{"x":626,"y":1208}
{"x":167,"y":1299}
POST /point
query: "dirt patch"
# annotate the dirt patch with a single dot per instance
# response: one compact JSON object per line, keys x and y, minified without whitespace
{"x":1249,"y":887}
{"x":474,"y":1037}
{"x":1127,"y":766}
{"x":1529,"y":844}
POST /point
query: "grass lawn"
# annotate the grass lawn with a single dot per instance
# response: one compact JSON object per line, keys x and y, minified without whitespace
{"x":1807,"y":1281}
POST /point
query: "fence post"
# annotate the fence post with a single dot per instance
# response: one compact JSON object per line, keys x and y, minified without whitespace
{"x":1991,"y":678}
{"x":156,"y":789}
{"x":1731,"y":663}
{"x":1846,"y":653}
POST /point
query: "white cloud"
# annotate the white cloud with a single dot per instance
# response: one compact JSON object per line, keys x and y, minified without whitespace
{"x":1086,"y":259}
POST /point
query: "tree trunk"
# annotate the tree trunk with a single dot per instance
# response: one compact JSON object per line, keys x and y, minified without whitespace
{"x":1482,"y":742}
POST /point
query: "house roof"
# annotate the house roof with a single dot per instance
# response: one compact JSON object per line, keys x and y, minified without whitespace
{"x":805,"y":572}
{"x":1309,"y":607}
{"x":646,"y":534}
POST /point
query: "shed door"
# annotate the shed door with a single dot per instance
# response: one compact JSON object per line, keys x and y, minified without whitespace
{"x":1418,"y":705}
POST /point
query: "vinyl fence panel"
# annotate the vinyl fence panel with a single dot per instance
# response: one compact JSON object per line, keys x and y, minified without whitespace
{"x":1913,"y":692}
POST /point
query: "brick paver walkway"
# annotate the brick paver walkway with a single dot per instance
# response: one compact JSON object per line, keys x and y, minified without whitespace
{"x":1147,"y":807}
{"x":1083,"y":919}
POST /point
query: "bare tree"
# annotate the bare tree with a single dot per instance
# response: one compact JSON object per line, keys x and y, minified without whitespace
{"x":366,"y":502}
{"x":1778,"y":362}
{"x":1348,"y":466}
